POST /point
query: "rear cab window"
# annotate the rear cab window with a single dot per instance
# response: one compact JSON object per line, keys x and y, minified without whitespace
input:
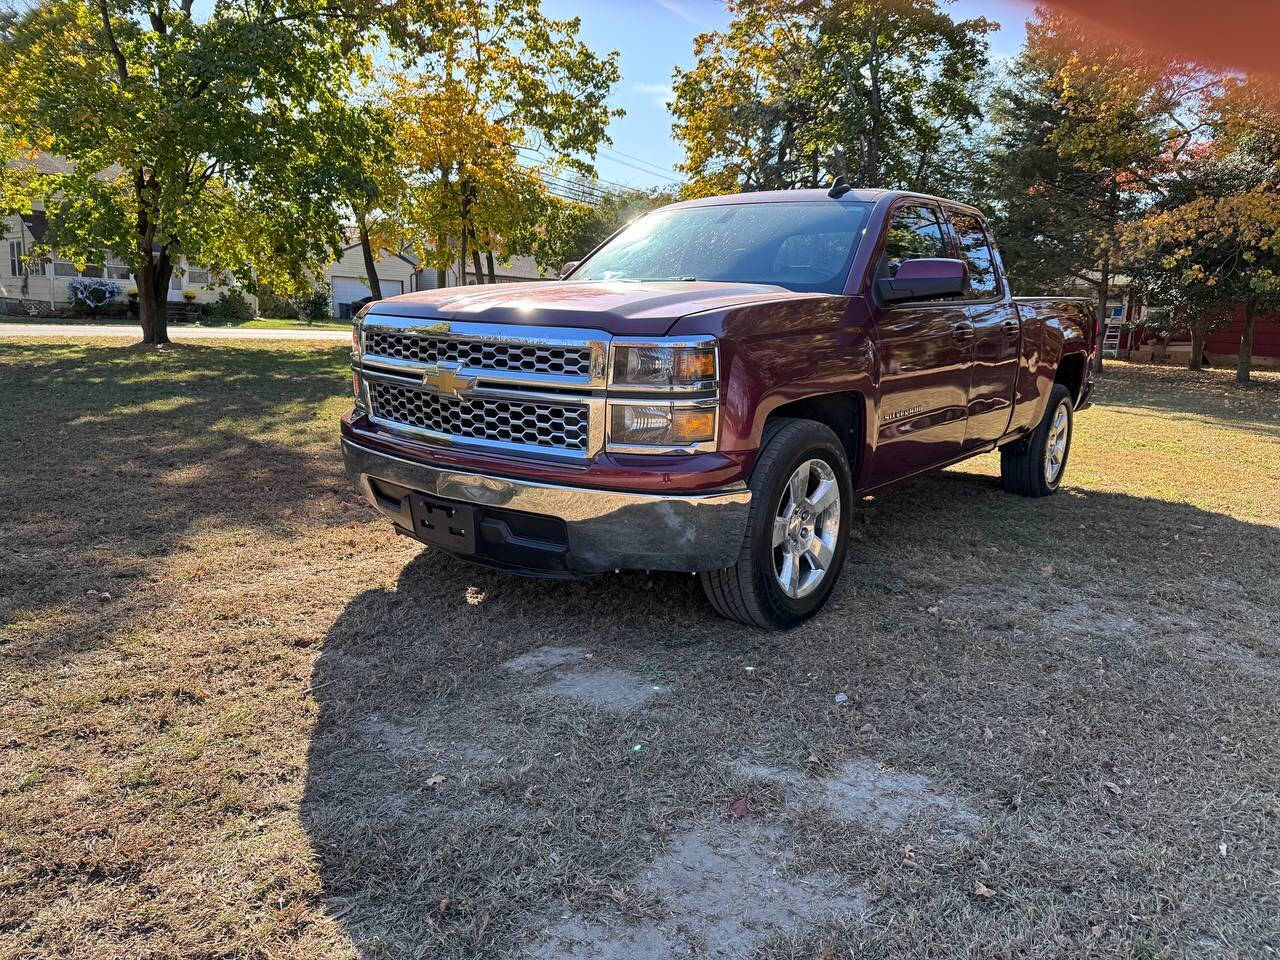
{"x":975,"y":249}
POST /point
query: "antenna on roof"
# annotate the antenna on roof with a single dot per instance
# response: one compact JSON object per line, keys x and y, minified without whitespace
{"x":839,"y":187}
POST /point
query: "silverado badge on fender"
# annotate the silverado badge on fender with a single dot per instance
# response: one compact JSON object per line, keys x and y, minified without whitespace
{"x":445,"y":379}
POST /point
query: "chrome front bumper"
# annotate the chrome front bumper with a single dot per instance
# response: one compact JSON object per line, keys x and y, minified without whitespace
{"x":606,"y":529}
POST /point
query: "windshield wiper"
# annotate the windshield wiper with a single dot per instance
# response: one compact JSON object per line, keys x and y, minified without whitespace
{"x":661,"y":279}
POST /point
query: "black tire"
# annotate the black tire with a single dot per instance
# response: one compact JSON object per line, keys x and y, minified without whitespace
{"x":1022,"y":464}
{"x":750,"y":591}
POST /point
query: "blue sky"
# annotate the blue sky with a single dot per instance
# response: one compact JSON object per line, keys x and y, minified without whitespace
{"x":654,"y":35}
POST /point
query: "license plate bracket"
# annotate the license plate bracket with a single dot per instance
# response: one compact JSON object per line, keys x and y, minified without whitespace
{"x":445,"y":523}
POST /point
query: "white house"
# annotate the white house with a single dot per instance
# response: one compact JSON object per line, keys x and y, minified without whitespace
{"x":400,"y":273}
{"x":42,"y":288}
{"x":349,"y":280}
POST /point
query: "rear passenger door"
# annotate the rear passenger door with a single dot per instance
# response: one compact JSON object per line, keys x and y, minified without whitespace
{"x":924,"y":352}
{"x":997,"y":332}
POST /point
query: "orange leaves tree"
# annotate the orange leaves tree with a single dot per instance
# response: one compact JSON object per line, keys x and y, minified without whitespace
{"x":1213,"y":241}
{"x":1089,"y":132}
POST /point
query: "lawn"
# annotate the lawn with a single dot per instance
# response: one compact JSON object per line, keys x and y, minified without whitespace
{"x":239,"y":718}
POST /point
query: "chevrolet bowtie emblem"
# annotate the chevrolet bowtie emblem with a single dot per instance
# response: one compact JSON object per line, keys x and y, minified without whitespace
{"x":445,"y":379}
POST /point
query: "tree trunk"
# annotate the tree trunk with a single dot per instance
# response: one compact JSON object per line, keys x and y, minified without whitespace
{"x":1104,"y":291}
{"x":475,"y":261}
{"x":1198,"y":333}
{"x":153,"y":272}
{"x":488,"y":256}
{"x":1244,"y":363}
{"x":442,"y":278}
{"x":874,"y":143}
{"x":370,"y":265}
{"x":153,"y":299}
{"x":462,"y":260}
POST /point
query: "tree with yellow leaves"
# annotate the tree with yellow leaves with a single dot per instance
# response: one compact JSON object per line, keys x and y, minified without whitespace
{"x":504,"y":84}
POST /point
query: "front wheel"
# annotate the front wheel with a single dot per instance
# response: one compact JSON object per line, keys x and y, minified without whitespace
{"x":797,"y":531}
{"x":1034,"y":467}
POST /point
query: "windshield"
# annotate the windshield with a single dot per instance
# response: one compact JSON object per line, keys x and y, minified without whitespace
{"x":800,"y":245}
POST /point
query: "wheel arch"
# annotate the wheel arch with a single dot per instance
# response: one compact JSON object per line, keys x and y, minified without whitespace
{"x":844,"y":412}
{"x":1070,"y":373}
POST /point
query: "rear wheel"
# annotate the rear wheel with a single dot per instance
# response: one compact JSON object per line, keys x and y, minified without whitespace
{"x":1035,"y":467}
{"x":797,"y":531}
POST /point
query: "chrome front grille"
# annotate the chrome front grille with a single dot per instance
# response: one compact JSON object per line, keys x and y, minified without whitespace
{"x":480,"y":354}
{"x":559,"y":426}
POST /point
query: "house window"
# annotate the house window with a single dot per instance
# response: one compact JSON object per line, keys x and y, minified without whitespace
{"x":16,"y":265}
{"x":117,"y":271}
{"x":64,"y":268}
{"x":94,"y":271}
{"x":175,"y":281}
{"x":197,"y":275}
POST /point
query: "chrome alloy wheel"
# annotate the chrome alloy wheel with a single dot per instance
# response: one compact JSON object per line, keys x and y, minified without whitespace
{"x":1055,"y":445}
{"x":805,"y":528}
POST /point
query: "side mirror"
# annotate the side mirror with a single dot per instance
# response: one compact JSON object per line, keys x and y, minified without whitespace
{"x":926,"y":279}
{"x":568,"y":268}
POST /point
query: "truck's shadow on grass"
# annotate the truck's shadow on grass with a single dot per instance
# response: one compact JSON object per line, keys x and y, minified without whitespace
{"x":1022,"y":654}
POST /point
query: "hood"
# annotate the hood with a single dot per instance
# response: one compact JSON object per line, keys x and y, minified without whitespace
{"x":624,"y":308}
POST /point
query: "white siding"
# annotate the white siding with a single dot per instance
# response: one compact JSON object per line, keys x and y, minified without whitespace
{"x":395,"y":273}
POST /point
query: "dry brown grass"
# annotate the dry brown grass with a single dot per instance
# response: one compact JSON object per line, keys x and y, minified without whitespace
{"x":237,"y":753}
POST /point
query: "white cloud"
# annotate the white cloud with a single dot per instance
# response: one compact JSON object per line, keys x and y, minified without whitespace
{"x":672,"y":7}
{"x":661,"y":93}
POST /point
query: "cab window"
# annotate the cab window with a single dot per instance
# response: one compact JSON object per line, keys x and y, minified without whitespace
{"x":975,"y":248}
{"x":914,"y":233}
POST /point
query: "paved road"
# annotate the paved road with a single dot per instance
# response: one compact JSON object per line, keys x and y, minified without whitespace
{"x":77,"y":331}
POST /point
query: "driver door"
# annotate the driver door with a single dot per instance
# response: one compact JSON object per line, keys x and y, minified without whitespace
{"x":925,"y":352}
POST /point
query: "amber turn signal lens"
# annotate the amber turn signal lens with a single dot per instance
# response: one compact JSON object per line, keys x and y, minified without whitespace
{"x":355,"y":385}
{"x":694,"y":365}
{"x":692,"y":425}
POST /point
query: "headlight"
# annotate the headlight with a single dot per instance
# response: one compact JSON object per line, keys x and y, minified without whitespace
{"x":658,"y":366}
{"x":678,"y":425}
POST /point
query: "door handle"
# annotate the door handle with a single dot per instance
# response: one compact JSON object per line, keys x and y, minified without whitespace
{"x":962,"y":330}
{"x":1011,"y":328}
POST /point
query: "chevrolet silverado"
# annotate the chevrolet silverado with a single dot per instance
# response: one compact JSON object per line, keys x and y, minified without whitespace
{"x":710,"y":391}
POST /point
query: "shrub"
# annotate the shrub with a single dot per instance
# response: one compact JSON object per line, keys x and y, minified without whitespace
{"x":231,"y":305}
{"x":270,"y":304}
{"x":315,"y":305}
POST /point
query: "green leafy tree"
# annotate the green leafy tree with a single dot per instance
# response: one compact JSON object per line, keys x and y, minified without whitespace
{"x":793,"y":92}
{"x":227,"y":139}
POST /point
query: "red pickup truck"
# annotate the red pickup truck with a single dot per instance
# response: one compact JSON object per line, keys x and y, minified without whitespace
{"x":710,"y":390}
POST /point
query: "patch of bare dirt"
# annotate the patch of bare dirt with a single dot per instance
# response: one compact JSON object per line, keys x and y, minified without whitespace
{"x":865,"y":792}
{"x":721,"y":891}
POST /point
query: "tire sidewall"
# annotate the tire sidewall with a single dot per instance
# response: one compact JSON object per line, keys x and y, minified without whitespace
{"x":807,"y":446}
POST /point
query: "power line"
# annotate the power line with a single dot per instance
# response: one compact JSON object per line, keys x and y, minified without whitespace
{"x":657,"y":168}
{"x":625,"y":187}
